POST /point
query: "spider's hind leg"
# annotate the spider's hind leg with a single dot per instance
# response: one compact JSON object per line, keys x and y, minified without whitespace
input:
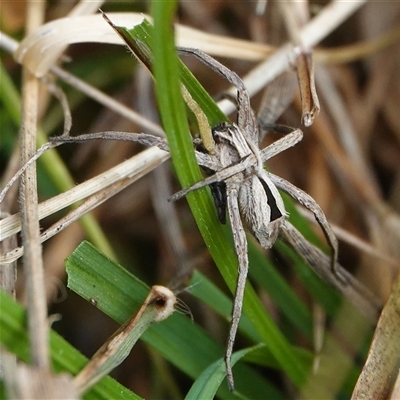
{"x":308,"y":202}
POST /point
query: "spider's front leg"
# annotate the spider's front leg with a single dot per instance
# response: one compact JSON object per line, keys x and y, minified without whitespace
{"x":142,"y":138}
{"x":219,"y":176}
{"x":246,"y":118}
{"x":291,"y":138}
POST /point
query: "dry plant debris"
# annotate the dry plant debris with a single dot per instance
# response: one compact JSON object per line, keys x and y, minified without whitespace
{"x":348,"y":163}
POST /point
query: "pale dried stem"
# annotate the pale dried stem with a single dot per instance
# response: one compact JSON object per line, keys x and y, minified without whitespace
{"x":343,"y":164}
{"x":33,"y":262}
{"x":382,"y":366}
{"x":282,"y":59}
{"x":384,"y":69}
{"x":74,"y":215}
{"x":396,"y":388}
{"x":169,"y":223}
{"x":340,"y":115}
{"x":137,"y":166}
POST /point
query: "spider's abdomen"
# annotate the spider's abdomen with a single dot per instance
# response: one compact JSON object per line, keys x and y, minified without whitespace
{"x":262,"y":209}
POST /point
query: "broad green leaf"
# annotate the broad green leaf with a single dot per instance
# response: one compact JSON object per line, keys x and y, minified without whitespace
{"x":119,"y":294}
{"x":14,"y":336}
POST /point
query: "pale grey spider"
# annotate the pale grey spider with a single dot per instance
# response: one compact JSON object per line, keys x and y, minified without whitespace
{"x":240,"y":184}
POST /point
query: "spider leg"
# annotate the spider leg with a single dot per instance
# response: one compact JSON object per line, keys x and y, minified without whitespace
{"x":142,"y":138}
{"x":240,"y":240}
{"x":349,"y":286}
{"x":208,"y":161}
{"x":246,"y":118}
{"x":216,"y":66}
{"x":282,"y":144}
{"x":219,"y":176}
{"x":307,"y":201}
{"x":205,"y":160}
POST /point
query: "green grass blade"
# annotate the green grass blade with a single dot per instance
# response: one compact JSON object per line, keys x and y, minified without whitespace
{"x":321,"y":291}
{"x":208,"y":382}
{"x":269,"y":278}
{"x":208,"y":293}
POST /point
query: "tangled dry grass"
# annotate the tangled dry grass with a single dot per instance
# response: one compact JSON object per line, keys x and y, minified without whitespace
{"x":348,"y":161}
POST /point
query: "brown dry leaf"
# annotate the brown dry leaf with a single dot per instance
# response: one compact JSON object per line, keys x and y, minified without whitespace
{"x":381,"y":369}
{"x":13,"y":15}
{"x":309,"y":99}
{"x":396,"y":389}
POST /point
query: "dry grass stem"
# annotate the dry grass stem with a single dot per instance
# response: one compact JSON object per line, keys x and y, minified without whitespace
{"x":136,"y":167}
{"x":33,"y":264}
{"x":382,"y":366}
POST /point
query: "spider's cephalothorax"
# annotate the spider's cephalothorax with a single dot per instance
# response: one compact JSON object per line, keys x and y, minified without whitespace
{"x":257,"y":195}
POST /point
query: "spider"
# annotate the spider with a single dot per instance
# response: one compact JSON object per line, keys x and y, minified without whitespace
{"x":239,"y":184}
